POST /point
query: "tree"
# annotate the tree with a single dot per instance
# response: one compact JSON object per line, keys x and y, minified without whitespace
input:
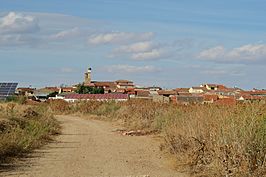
{"x":82,"y":89}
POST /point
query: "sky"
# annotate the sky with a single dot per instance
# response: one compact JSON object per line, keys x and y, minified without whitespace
{"x":167,"y":43}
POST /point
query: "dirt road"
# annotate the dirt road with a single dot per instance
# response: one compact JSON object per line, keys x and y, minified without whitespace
{"x":92,"y":148}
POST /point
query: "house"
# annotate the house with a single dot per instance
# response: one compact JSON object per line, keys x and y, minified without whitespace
{"x":249,"y":98}
{"x":96,"y":97}
{"x":213,"y":86}
{"x":68,"y":89}
{"x":227,"y":91}
{"x":143,"y":94}
{"x":43,"y":94}
{"x":182,"y":90}
{"x":120,"y":90}
{"x":226,"y":101}
{"x":153,"y":88}
{"x":25,"y":91}
{"x":52,"y":89}
{"x":124,"y":84}
{"x":140,"y":94}
{"x":197,"y":90}
{"x":210,"y":98}
{"x":108,"y":86}
{"x":253,"y":95}
{"x":256,"y":92}
{"x":60,"y":96}
{"x":166,"y":93}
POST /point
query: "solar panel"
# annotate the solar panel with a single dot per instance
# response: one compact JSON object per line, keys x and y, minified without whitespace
{"x":7,"y":89}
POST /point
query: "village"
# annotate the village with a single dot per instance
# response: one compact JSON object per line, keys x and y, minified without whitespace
{"x":123,"y":90}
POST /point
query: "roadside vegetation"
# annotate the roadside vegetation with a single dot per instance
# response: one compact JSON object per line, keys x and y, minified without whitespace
{"x":24,"y":128}
{"x":206,"y":140}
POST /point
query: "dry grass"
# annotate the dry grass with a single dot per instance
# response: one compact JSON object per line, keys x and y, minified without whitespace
{"x":207,"y":140}
{"x":24,"y":128}
{"x":219,"y":141}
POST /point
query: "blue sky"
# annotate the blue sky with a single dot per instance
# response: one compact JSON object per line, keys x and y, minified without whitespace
{"x":170,"y":43}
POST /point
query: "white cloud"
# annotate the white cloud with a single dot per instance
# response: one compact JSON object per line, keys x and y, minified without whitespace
{"x":212,"y":53}
{"x":136,"y":47}
{"x":66,"y":34}
{"x":146,"y":50}
{"x":18,"y":23}
{"x":149,"y":55}
{"x":23,"y":29}
{"x":131,"y":69}
{"x":232,"y":72}
{"x":249,"y":52}
{"x":118,"y":38}
{"x":245,"y":53}
{"x":17,"y":40}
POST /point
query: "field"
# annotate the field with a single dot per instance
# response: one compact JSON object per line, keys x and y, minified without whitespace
{"x":206,"y":140}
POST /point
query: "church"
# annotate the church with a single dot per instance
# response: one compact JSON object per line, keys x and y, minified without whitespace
{"x":120,"y":86}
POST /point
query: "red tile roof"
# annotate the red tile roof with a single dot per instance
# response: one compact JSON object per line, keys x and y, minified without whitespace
{"x":25,"y":89}
{"x":125,"y":84}
{"x":210,"y":97}
{"x":129,"y":89}
{"x":258,"y":92}
{"x":166,"y":92}
{"x":227,"y":90}
{"x":182,"y":90}
{"x":226,"y":101}
{"x":54,"y":89}
{"x":68,"y":88}
{"x":254,"y":92}
{"x":89,"y":84}
{"x":108,"y":96}
{"x":104,"y":84}
{"x":120,"y":90}
{"x":123,"y":81}
{"x":250,"y":97}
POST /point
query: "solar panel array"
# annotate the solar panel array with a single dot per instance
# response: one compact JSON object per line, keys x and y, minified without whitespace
{"x":7,"y":89}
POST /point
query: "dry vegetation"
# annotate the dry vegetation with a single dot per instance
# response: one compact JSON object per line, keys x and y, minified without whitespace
{"x":206,"y":140}
{"x":23,"y":128}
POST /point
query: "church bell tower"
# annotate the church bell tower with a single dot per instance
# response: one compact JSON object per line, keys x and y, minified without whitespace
{"x":87,"y":76}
